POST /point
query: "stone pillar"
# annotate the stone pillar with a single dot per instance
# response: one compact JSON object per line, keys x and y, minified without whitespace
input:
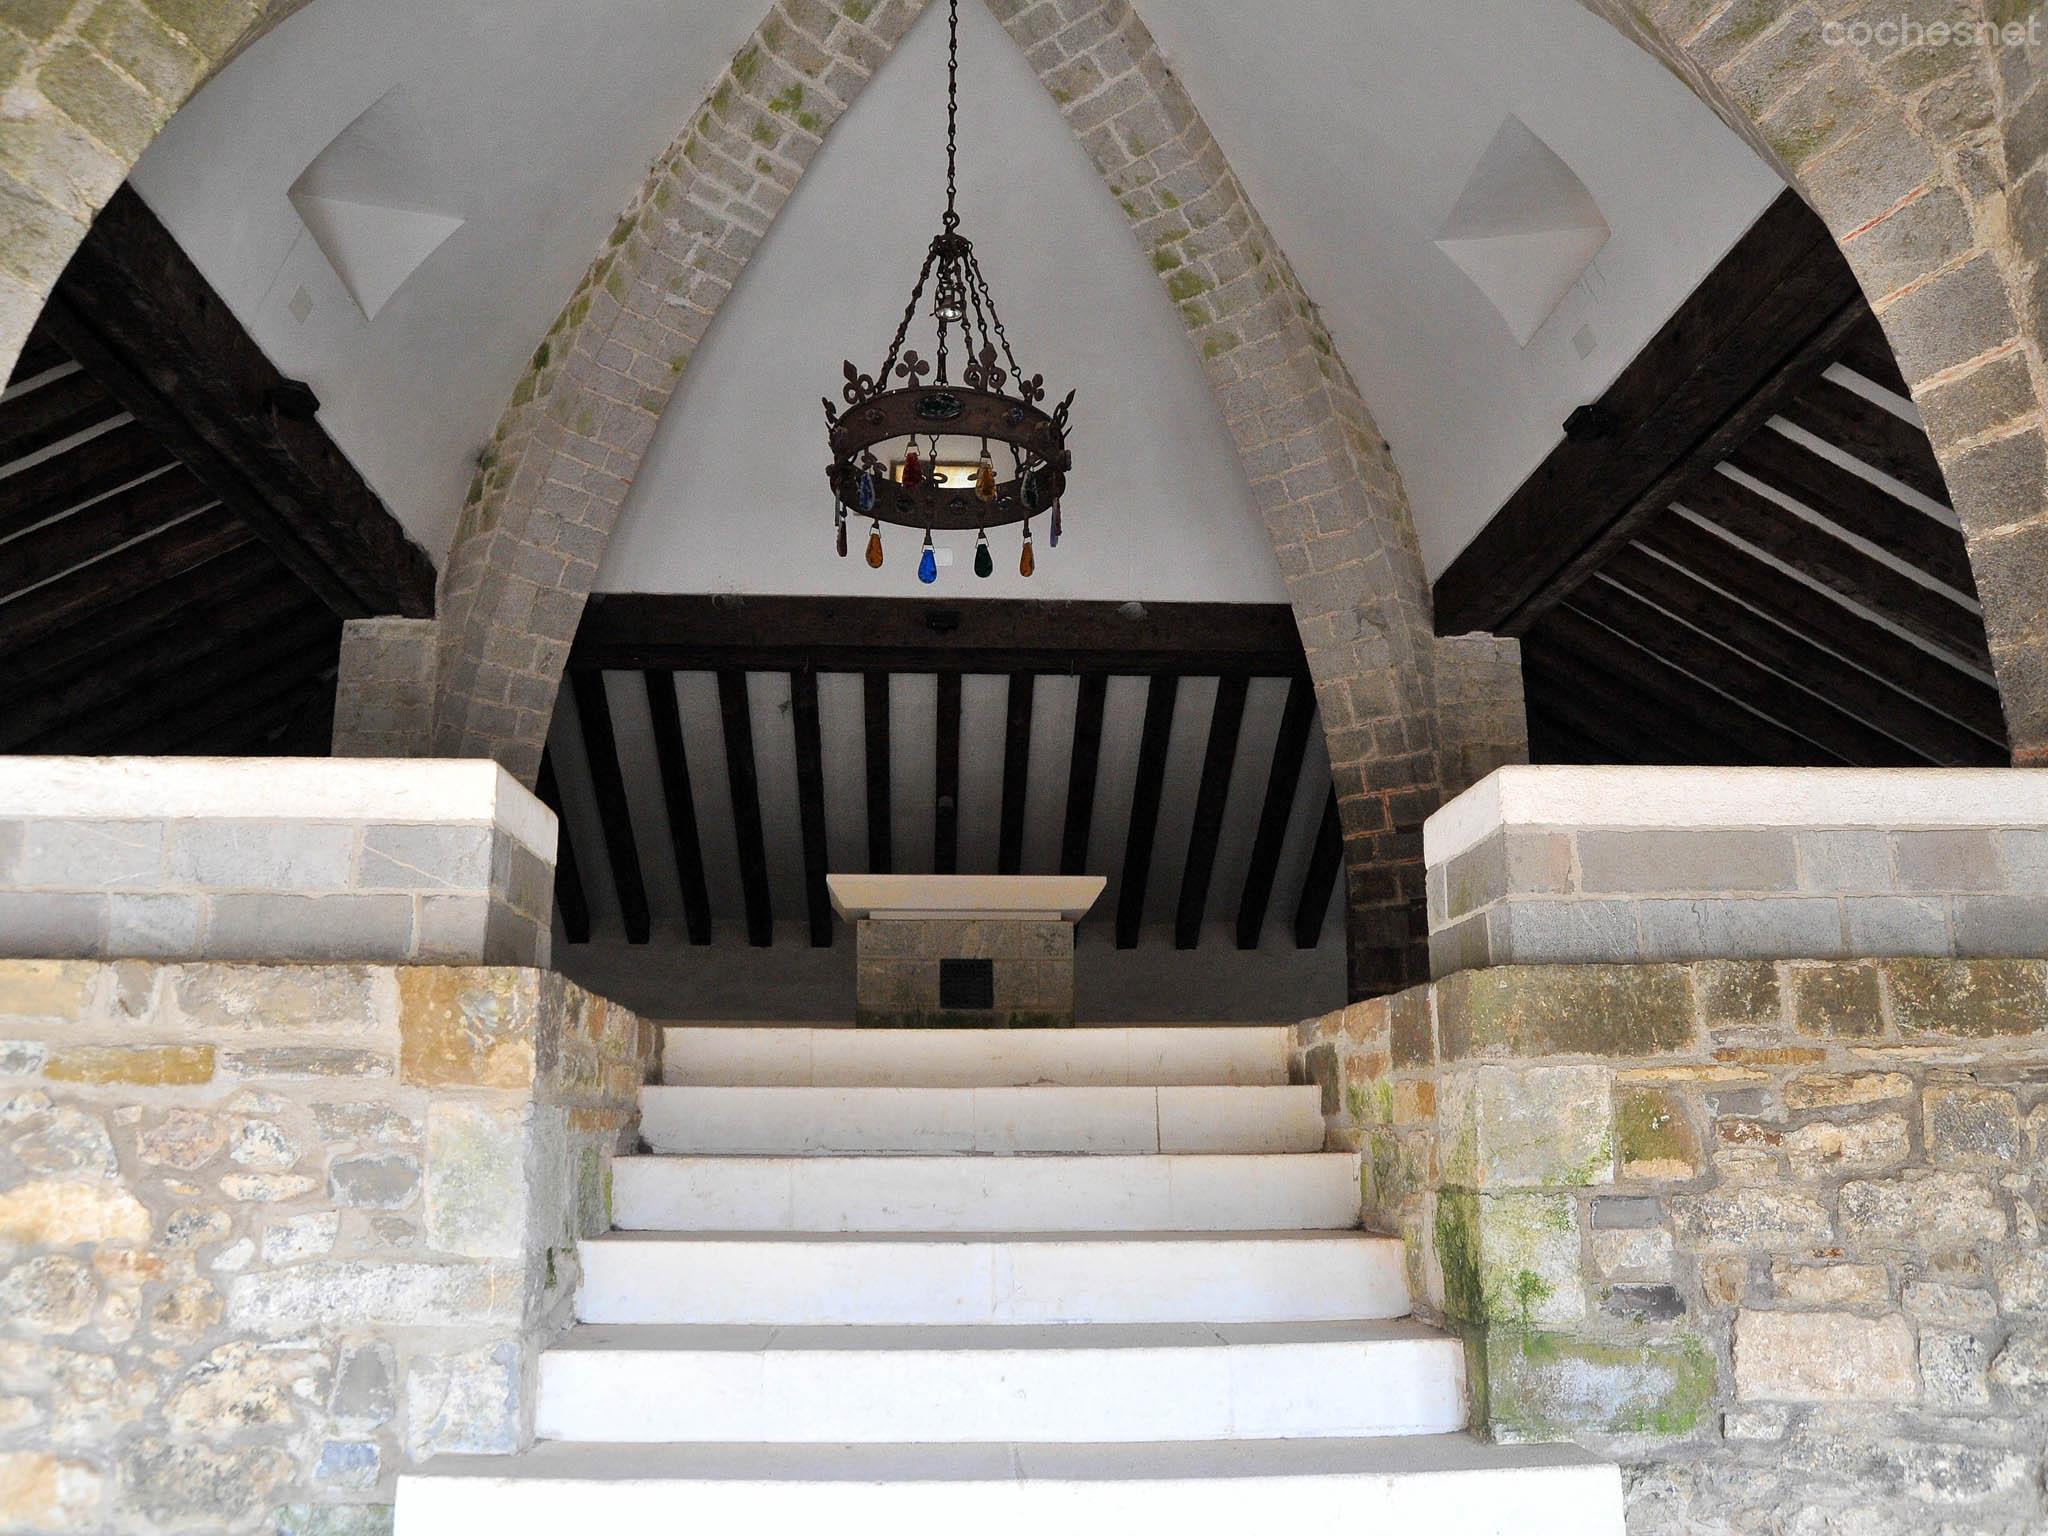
{"x":1561,"y":866}
{"x":271,"y":1235}
{"x":384,"y":694}
{"x":284,"y":859}
{"x":1482,"y":723}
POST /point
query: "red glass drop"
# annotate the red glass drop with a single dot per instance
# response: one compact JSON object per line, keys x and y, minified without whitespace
{"x":913,"y":469}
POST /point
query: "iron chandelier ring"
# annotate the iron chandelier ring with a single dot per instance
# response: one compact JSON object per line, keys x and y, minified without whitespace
{"x":1037,"y":436}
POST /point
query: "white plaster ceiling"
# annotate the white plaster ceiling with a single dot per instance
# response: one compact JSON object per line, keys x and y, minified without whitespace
{"x":531,"y":121}
{"x":732,"y":495}
{"x":1355,"y":127}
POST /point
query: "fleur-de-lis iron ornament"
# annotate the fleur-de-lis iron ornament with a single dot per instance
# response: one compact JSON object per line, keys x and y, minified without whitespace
{"x":874,"y":476}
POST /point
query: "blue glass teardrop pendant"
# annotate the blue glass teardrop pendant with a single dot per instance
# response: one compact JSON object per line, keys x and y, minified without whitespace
{"x":927,"y":563}
{"x":864,"y":491}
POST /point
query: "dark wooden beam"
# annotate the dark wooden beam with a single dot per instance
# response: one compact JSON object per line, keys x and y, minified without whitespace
{"x":1867,"y":431}
{"x":874,"y":698}
{"x":673,"y":763}
{"x":810,"y":802}
{"x":236,"y":672}
{"x":614,"y":811}
{"x":1847,"y":499}
{"x":51,"y":412}
{"x":39,"y":354}
{"x":1219,"y":758}
{"x":570,"y":901}
{"x":272,"y":682}
{"x":1795,"y":605}
{"x":136,"y":313}
{"x":1551,"y":741}
{"x":946,"y":778}
{"x":1146,"y":792}
{"x":281,"y":616}
{"x":1866,"y":351}
{"x":1633,"y":725}
{"x":107,"y":584}
{"x":1320,"y":879}
{"x":1772,"y":315}
{"x":1837,"y":565}
{"x":1855,"y":690}
{"x":77,"y":475}
{"x":90,"y":532}
{"x":1082,"y":766}
{"x":1719,"y":717}
{"x":1016,"y":773}
{"x":1596,"y":735}
{"x":1713,"y":662}
{"x":1297,"y":718}
{"x":841,"y":634}
{"x":737,"y":716}
{"x":201,"y":597}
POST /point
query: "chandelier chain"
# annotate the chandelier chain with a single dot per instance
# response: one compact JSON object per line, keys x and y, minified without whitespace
{"x":952,"y":220}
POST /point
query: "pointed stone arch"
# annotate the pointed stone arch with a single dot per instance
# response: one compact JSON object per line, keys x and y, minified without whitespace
{"x":548,"y":496}
{"x":1927,"y":157}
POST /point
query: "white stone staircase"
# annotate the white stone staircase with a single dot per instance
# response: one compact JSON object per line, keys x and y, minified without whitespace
{"x":1001,"y":1278}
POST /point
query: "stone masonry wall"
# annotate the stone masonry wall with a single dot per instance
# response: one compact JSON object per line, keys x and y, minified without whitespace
{"x":897,"y":974}
{"x":1527,"y":896}
{"x":1767,"y":1232}
{"x":271,"y":1234}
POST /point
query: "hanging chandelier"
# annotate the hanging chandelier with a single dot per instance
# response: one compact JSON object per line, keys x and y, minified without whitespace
{"x":935,"y":489}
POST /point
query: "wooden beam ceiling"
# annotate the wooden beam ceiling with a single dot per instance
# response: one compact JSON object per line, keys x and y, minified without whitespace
{"x":1742,"y":552}
{"x":739,"y":649}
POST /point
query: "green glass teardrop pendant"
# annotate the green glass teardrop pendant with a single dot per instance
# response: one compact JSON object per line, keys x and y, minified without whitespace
{"x":984,"y":562}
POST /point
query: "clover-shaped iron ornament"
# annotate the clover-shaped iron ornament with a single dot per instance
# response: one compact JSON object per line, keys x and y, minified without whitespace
{"x":1032,"y":389}
{"x":912,"y":367}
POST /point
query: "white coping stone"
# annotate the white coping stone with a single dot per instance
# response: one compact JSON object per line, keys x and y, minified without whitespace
{"x":930,"y":1279}
{"x":726,"y":1055}
{"x":1098,"y":1120}
{"x":428,"y":791}
{"x":1571,"y":798}
{"x":1007,"y":898}
{"x":1448,"y":1485}
{"x":1067,"y":1382}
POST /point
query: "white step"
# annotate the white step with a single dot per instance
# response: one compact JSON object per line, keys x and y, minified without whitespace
{"x":1165,"y":1192}
{"x":937,"y":1279}
{"x":788,"y":1056}
{"x":1446,"y":1485}
{"x":1122,"y":1120}
{"x":1068,"y":1382}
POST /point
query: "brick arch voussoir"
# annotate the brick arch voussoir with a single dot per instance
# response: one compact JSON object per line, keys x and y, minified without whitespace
{"x":1928,"y":161}
{"x":87,"y":87}
{"x":549,"y":487}
{"x":1321,"y":475}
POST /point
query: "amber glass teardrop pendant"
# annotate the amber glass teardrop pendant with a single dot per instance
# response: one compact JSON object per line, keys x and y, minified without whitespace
{"x":875,"y":547}
{"x":985,"y":479}
{"x":1027,"y":562}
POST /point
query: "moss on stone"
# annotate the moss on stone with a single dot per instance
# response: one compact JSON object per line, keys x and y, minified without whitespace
{"x":1971,"y":998}
{"x":1457,"y":1254}
{"x":788,"y":99}
{"x":857,"y":10}
{"x":1165,"y":259}
{"x":1551,"y":1386}
{"x":1655,"y":1136}
{"x":746,"y":64}
{"x":1167,"y":199}
{"x":1185,"y":284}
{"x":1592,"y":1010}
{"x":1220,"y":343}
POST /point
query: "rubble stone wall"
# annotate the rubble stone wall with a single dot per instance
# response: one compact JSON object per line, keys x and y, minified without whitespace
{"x":1767,"y":1232}
{"x":271,"y":1234}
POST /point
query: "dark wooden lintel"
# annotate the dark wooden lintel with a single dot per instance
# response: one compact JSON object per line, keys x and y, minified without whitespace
{"x":1146,"y":792}
{"x":1219,"y":759}
{"x":737,"y":717}
{"x":810,"y":802}
{"x":614,"y":813}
